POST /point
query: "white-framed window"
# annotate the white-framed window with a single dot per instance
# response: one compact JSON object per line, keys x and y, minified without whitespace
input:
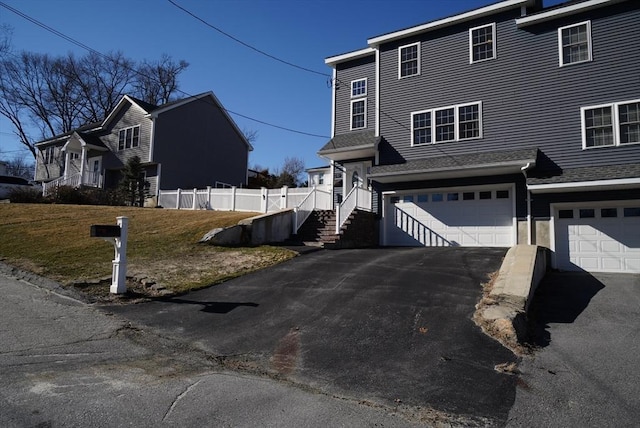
{"x":358,"y":88}
{"x":608,"y":125}
{"x":74,"y":155}
{"x":574,"y":43}
{"x":358,"y":114}
{"x":49,"y":155}
{"x":129,"y":137}
{"x":453,"y":123}
{"x":482,"y":43}
{"x":409,"y":60}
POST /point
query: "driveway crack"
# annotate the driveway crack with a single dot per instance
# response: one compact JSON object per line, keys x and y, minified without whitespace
{"x":178,"y":398}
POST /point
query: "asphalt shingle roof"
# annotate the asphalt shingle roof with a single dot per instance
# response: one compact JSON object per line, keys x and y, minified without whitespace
{"x":459,"y":161}
{"x":352,"y":139}
{"x":591,"y":173}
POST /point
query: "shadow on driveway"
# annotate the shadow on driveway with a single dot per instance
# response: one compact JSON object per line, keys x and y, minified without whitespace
{"x":560,"y":298}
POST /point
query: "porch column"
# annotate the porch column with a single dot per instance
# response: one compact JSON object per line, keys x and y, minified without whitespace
{"x":66,"y":164}
{"x":83,"y":160}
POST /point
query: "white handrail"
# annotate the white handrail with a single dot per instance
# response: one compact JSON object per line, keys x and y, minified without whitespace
{"x":356,"y":198}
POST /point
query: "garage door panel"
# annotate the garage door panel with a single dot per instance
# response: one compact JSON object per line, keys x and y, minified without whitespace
{"x":602,"y":243}
{"x":450,"y":223}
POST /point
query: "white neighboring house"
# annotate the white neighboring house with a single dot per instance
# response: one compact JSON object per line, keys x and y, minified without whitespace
{"x":321,"y":178}
{"x":9,"y":183}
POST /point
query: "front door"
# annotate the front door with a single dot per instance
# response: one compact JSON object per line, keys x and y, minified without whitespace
{"x":95,"y":166}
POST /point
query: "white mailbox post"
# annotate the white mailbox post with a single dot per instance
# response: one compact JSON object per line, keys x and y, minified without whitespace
{"x":117,"y":235}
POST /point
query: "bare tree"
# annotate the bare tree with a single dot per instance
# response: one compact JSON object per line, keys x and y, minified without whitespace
{"x":251,"y":135}
{"x":5,"y":39}
{"x":289,"y":175}
{"x":19,"y":167}
{"x":59,"y":94}
{"x":157,"y":81}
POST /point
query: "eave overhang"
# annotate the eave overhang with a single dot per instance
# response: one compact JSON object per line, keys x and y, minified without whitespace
{"x":333,"y":60}
{"x":562,"y":11}
{"x":346,"y":153}
{"x":501,"y":168}
{"x":586,"y":186}
{"x":452,"y":20}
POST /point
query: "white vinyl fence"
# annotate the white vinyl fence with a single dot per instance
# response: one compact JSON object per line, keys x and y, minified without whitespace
{"x":236,"y":199}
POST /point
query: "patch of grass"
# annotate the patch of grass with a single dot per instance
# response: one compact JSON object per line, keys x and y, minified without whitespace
{"x":53,"y":241}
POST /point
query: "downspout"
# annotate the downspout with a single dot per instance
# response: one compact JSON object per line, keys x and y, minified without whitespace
{"x":524,"y":172}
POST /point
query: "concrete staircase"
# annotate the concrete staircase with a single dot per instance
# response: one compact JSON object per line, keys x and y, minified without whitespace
{"x":359,"y":231}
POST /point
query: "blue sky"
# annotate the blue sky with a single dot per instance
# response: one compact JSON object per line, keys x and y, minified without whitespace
{"x":303,"y":32}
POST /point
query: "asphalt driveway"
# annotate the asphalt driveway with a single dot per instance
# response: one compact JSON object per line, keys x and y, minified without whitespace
{"x":384,"y":325}
{"x":586,"y":372}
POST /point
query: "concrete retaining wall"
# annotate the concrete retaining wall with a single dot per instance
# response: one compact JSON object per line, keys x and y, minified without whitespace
{"x":268,"y":228}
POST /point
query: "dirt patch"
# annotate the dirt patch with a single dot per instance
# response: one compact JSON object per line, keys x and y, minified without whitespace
{"x":497,"y":326}
{"x":166,"y":277}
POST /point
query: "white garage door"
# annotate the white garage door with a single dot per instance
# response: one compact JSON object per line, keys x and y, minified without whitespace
{"x":462,"y":217}
{"x":598,"y":238}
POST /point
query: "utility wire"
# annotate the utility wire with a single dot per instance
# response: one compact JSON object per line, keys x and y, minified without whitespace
{"x":247,"y":45}
{"x":90,"y":49}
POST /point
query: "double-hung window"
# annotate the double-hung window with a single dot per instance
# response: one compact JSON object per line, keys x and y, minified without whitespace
{"x":358,"y":114}
{"x":574,"y":43}
{"x":49,"y":155}
{"x":409,"y":60}
{"x":611,"y":124}
{"x":358,"y":88}
{"x":455,"y":123}
{"x":482,"y":43}
{"x":129,"y":137}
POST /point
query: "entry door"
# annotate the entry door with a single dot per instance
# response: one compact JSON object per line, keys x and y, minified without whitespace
{"x":95,"y":167}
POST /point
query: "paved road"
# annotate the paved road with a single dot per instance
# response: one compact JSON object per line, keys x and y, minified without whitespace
{"x":385,"y":325}
{"x":64,"y":363}
{"x":588,"y":372}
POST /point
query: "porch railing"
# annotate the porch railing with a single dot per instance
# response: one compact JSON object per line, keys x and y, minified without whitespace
{"x":91,"y":179}
{"x":357,"y":198}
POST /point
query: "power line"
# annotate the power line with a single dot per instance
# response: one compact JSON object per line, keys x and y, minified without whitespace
{"x":88,"y":48}
{"x":247,"y":45}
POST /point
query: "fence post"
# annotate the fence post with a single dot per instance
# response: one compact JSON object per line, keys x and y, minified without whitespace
{"x":264,"y":203}
{"x":178,"y":196}
{"x":195,"y":195}
{"x":209,"y":197}
{"x":315,"y":197}
{"x":337,"y":219}
{"x":233,"y":198}
{"x":295,"y":220}
{"x":284,"y":193}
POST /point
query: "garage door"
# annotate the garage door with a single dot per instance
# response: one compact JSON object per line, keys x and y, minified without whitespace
{"x":598,"y":238}
{"x":467,"y":217}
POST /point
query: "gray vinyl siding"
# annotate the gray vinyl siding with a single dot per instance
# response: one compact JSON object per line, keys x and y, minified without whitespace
{"x":527,"y":99}
{"x":127,"y":117}
{"x":50,"y":171}
{"x":197,"y":146}
{"x":346,"y":73}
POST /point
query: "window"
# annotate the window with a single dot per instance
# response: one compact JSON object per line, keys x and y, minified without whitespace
{"x":468,"y":196}
{"x":461,"y":122}
{"x":129,"y":137}
{"x":436,"y":197}
{"x":49,"y":155}
{"x":452,"y":196}
{"x":502,"y":194}
{"x":608,"y":212}
{"x":407,"y":198}
{"x":611,"y":125}
{"x":565,"y":213}
{"x":421,"y":123}
{"x":587,"y":213}
{"x":482,"y":43}
{"x":358,"y":88}
{"x":321,"y":179}
{"x":74,"y":155}
{"x":469,"y":121}
{"x":485,"y":195}
{"x":632,"y":212}
{"x":358,"y":116}
{"x":409,"y":60}
{"x":423,"y":198}
{"x":574,"y":43}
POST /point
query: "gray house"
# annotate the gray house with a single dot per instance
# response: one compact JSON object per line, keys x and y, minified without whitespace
{"x":187,"y":143}
{"x":511,"y":123}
